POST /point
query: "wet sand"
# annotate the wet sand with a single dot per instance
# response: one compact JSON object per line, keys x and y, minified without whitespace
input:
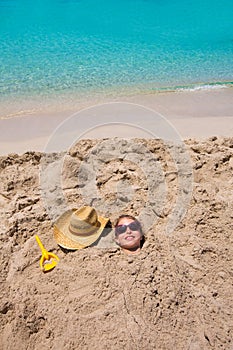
{"x":196,"y":114}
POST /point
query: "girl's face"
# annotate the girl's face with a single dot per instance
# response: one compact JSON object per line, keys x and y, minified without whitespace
{"x":128,"y":235}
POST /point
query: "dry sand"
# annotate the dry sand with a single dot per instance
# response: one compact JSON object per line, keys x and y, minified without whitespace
{"x":176,"y":294}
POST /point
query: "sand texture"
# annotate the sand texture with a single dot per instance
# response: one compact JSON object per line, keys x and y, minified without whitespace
{"x":176,"y":294}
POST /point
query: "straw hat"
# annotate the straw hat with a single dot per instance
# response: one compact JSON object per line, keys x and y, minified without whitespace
{"x":78,"y":228}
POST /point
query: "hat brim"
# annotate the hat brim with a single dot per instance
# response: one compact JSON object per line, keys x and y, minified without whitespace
{"x":66,"y":240}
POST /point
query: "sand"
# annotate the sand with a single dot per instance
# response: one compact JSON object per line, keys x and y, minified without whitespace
{"x":175,"y":294}
{"x":196,"y":114}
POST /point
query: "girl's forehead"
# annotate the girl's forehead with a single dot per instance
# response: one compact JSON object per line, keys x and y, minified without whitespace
{"x":125,"y":221}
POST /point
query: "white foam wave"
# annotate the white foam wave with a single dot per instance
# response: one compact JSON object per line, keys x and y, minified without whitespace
{"x":203,"y":87}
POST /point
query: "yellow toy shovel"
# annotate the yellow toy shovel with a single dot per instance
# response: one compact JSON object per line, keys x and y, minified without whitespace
{"x":48,"y":260}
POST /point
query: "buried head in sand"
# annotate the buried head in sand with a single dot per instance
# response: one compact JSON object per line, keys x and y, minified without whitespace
{"x":128,"y":234}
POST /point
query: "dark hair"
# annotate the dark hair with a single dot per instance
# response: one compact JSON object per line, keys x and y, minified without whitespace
{"x":134,"y":219}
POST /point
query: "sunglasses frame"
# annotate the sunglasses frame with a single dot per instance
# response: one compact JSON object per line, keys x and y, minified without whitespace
{"x":136,"y":223}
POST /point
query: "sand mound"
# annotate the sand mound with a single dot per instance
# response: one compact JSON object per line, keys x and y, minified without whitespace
{"x":176,"y":294}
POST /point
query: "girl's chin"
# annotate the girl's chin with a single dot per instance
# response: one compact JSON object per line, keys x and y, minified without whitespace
{"x":131,"y":245}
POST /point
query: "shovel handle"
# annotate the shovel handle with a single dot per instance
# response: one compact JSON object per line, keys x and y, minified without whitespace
{"x":51,"y":258}
{"x":43,"y":250}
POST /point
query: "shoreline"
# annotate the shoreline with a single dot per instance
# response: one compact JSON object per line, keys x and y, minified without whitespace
{"x":193,"y":114}
{"x":24,"y":106}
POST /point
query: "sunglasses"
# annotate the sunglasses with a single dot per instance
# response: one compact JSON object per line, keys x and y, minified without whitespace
{"x":133,"y":226}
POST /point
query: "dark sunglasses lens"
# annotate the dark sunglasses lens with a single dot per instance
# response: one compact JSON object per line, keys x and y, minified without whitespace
{"x":134,"y":226}
{"x":120,"y":229}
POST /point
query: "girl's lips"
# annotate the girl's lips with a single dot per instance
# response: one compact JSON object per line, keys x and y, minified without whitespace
{"x":129,"y":238}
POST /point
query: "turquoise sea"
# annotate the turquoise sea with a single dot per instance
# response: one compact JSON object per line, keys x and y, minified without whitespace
{"x":51,"y":47}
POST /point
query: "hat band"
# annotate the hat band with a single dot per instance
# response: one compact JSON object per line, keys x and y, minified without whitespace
{"x":83,"y":232}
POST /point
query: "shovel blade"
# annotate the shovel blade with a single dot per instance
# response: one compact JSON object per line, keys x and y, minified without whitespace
{"x":49,"y":265}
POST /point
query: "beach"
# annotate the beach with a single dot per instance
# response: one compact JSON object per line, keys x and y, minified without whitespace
{"x":194,"y":114}
{"x":126,"y":107}
{"x":177,"y":292}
